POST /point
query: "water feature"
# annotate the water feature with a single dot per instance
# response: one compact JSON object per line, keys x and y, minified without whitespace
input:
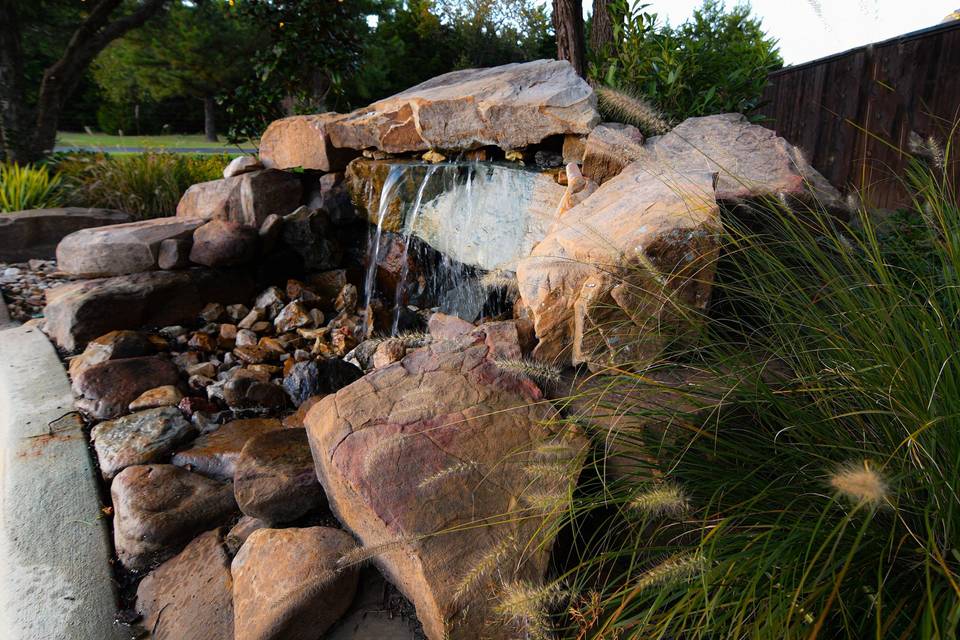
{"x":455,"y":221}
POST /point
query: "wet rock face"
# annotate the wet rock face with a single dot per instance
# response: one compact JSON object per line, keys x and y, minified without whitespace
{"x":286,"y":583}
{"x":215,"y":454}
{"x":120,"y":249}
{"x":159,"y":508}
{"x":433,"y":426}
{"x":318,"y":377}
{"x":509,"y":106}
{"x":275,"y":480}
{"x":190,"y":595}
{"x":106,"y":389}
{"x":139,"y":438}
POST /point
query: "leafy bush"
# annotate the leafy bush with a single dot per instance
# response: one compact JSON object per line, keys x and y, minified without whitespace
{"x":809,"y":487}
{"x":716,"y":62}
{"x":28,"y":187}
{"x":147,"y":185}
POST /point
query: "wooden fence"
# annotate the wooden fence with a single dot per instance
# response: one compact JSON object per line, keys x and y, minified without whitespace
{"x":852,"y":114}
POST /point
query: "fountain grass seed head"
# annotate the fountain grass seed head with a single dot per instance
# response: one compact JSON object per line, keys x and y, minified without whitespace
{"x":861,"y":483}
{"x":630,"y":109}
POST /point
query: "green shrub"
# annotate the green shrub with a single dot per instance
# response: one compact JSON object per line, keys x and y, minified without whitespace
{"x":148,"y":185}
{"x":28,"y":187}
{"x":716,"y":62}
{"x":814,"y":491}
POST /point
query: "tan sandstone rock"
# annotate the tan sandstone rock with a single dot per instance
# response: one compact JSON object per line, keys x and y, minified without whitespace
{"x":607,"y":282}
{"x":303,"y":141}
{"x":121,"y":248}
{"x":609,"y":148}
{"x":429,"y":457}
{"x":286,"y":585}
{"x":247,"y":198}
{"x":511,"y":106}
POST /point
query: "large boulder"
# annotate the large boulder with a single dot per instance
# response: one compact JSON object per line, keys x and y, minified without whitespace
{"x":120,"y":249}
{"x":510,"y":106}
{"x":287,"y":585}
{"x":310,"y":234}
{"x":429,"y":462}
{"x":274,"y":478}
{"x":158,"y":508}
{"x":247,"y":198}
{"x":621,"y":271}
{"x":35,"y":233}
{"x":190,"y":595}
{"x":78,"y":312}
{"x":302,"y":141}
{"x":139,"y":438}
{"x":106,"y":389}
{"x":751,"y":161}
{"x":609,"y":148}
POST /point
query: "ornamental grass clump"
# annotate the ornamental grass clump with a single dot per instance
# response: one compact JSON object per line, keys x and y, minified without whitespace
{"x":28,"y":187}
{"x":820,"y":467}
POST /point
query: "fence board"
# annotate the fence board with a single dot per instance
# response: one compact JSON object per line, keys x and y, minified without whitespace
{"x":852,"y":113}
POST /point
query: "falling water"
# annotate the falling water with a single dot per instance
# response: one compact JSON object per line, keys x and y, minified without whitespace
{"x":386,"y":193}
{"x":410,"y":224}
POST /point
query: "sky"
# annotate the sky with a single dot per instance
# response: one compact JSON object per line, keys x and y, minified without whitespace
{"x":811,"y":29}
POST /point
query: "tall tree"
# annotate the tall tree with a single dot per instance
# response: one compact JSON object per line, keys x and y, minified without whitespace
{"x":200,"y":49}
{"x":568,"y":26}
{"x":28,"y":131}
{"x":601,"y":26}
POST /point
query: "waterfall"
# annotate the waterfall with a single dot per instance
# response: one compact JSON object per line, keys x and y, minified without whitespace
{"x":389,"y":186}
{"x":409,"y":225}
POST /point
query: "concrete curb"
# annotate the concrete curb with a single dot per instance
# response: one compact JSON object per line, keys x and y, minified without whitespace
{"x":4,"y":314}
{"x":55,"y":581}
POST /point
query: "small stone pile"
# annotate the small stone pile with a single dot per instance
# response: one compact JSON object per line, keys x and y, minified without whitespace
{"x":24,"y":284}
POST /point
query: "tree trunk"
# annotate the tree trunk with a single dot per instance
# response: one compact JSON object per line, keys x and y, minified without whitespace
{"x":601,"y":28}
{"x":568,"y":25}
{"x":14,"y":128}
{"x":25,"y":141}
{"x":209,"y":119}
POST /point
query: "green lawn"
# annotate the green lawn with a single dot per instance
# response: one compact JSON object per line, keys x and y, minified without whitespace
{"x":107,"y":142}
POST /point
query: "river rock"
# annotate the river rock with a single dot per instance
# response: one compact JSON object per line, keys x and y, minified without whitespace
{"x":158,"y":508}
{"x":79,"y":311}
{"x":302,"y":141}
{"x":509,"y":106}
{"x":215,"y":454}
{"x":246,"y":199}
{"x":165,"y":396}
{"x":223,"y":243}
{"x":318,"y":377}
{"x":274,"y":479}
{"x":35,"y":233}
{"x":403,"y":453}
{"x":286,"y":583}
{"x":111,"y":346}
{"x":609,"y":148}
{"x":603,"y":285}
{"x":105,"y":390}
{"x":190,"y":595}
{"x":241,"y":531}
{"x":139,"y":438}
{"x":120,"y":249}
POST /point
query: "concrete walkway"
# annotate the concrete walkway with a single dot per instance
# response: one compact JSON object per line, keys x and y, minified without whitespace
{"x":55,"y":581}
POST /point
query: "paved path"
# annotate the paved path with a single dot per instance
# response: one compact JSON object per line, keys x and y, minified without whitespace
{"x":111,"y":149}
{"x":55,"y":581}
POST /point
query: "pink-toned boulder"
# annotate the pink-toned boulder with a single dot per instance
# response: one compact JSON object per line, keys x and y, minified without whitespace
{"x":121,"y":248}
{"x":443,"y":326}
{"x":429,"y":457}
{"x":247,"y":198}
{"x":302,"y":141}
